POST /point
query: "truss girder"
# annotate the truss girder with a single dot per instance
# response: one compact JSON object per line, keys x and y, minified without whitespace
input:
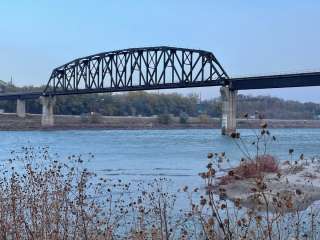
{"x":137,"y":69}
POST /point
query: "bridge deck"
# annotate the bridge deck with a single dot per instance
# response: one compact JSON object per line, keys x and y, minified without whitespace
{"x":276,"y":81}
{"x":244,"y":83}
{"x":20,"y":95}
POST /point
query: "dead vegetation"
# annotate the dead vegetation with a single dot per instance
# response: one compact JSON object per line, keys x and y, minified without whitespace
{"x":44,"y":198}
{"x":252,"y":169}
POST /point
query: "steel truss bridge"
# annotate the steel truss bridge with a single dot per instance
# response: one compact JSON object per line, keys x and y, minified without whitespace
{"x":153,"y":68}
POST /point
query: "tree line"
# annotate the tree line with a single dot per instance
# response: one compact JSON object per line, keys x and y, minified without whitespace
{"x":150,"y":104}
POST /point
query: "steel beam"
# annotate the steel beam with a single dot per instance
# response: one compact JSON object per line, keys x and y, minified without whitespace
{"x":22,"y":96}
{"x":275,"y":81}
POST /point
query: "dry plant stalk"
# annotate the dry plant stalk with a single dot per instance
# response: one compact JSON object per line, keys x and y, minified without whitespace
{"x":43,"y":198}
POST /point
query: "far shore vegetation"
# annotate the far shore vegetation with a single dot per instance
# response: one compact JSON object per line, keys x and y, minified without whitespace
{"x":150,"y":104}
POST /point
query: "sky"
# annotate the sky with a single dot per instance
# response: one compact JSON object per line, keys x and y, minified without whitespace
{"x":248,"y":37}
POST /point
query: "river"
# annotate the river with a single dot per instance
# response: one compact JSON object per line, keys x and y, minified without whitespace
{"x":140,"y":155}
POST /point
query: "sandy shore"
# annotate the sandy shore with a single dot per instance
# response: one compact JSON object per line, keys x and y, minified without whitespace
{"x":10,"y":121}
{"x":297,"y":182}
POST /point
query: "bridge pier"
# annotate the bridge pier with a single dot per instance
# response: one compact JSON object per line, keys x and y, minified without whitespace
{"x":47,"y":118}
{"x":21,"y":108}
{"x":229,"y":110}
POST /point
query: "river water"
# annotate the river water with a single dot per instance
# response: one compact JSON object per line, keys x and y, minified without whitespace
{"x":140,"y":155}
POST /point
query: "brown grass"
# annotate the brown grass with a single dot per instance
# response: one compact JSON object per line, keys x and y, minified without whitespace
{"x":252,"y":169}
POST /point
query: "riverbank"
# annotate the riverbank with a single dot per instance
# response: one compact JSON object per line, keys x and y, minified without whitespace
{"x":10,"y":121}
{"x":297,"y":181}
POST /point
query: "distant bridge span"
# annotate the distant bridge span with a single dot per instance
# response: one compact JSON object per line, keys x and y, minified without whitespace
{"x":152,"y":68}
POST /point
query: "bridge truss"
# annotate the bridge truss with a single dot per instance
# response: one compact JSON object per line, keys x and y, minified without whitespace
{"x":137,"y":69}
{"x":153,"y":68}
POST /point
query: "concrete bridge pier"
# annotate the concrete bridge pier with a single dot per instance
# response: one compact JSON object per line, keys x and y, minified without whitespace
{"x":229,"y":110}
{"x":21,"y":108}
{"x":47,"y":118}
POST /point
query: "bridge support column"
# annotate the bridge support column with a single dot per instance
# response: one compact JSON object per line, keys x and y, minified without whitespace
{"x":47,"y":119}
{"x":229,"y":110}
{"x":21,"y":108}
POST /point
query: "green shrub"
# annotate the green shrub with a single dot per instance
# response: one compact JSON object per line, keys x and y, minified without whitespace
{"x":164,"y":118}
{"x":183,"y":118}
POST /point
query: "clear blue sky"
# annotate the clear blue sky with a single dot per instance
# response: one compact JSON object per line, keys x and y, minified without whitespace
{"x":248,"y":37}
